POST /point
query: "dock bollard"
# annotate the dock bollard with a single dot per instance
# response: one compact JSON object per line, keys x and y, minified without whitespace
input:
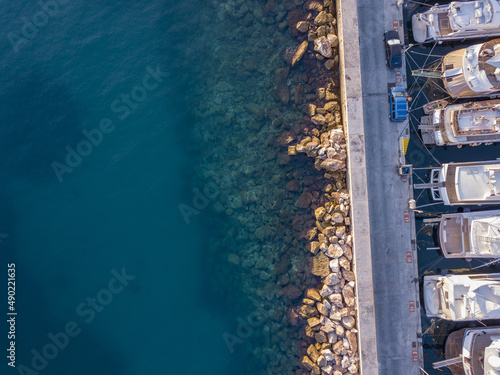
{"x":412,"y":204}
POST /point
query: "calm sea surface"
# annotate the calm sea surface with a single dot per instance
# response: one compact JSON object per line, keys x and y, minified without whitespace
{"x":96,"y":157}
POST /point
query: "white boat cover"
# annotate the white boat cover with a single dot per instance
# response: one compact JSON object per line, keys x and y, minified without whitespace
{"x":462,"y":297}
{"x":485,"y":235}
{"x":485,"y":301}
{"x":495,"y":60}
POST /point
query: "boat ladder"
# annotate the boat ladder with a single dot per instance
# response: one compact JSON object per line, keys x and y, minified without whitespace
{"x":447,"y":362}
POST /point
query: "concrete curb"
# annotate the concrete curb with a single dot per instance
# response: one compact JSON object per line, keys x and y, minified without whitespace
{"x":353,"y":122}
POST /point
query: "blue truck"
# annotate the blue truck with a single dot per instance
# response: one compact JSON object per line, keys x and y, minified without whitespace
{"x":398,"y":104}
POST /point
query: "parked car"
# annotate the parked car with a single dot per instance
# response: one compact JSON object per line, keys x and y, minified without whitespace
{"x":393,"y":49}
{"x":398,"y":104}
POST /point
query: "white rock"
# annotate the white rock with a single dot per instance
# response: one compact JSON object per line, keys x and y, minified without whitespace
{"x":328,"y":326}
{"x":321,"y":361}
{"x":328,"y":369}
{"x":335,"y":315}
{"x":332,"y":337}
{"x":323,"y":46}
{"x":326,"y":291}
{"x":348,"y":240}
{"x":353,"y":368}
{"x":346,"y":343}
{"x":346,"y":362}
{"x":327,"y":304}
{"x":334,"y":265}
{"x":332,"y":279}
{"x":334,"y":251}
{"x":327,"y":353}
{"x":344,"y":195}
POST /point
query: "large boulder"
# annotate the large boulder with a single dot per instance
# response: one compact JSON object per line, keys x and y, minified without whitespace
{"x":304,"y":200}
{"x":291,"y":292}
{"x":332,"y":165}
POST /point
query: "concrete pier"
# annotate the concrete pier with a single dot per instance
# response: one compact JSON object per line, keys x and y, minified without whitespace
{"x":383,"y":226}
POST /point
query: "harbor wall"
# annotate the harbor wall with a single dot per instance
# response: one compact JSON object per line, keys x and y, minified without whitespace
{"x":353,"y":122}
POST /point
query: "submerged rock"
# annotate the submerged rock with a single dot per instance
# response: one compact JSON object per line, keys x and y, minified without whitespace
{"x":291,"y":292}
{"x":299,"y":52}
{"x":332,"y":165}
{"x":304,"y":200}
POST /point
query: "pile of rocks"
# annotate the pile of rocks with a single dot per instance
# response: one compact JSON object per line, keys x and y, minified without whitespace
{"x":330,"y":310}
{"x":320,"y":29}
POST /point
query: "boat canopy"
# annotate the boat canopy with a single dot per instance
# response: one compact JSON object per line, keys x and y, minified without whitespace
{"x":477,"y":182}
{"x":485,"y":235}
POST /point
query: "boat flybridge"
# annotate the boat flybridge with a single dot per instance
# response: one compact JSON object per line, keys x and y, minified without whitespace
{"x":469,"y":234}
{"x":472,"y":351}
{"x":476,"y":183}
{"x":472,"y":71}
{"x":457,"y":20}
{"x":471,"y":123}
{"x":462,"y":297}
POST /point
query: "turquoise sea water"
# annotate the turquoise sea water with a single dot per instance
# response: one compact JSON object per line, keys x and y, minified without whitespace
{"x":142,"y":74}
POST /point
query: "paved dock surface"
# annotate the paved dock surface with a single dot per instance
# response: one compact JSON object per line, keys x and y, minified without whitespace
{"x":394,"y":264}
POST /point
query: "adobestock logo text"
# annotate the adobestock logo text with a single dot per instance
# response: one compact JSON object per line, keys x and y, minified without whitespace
{"x":31,"y":26}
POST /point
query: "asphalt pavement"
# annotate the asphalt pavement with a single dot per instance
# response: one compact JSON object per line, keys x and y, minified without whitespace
{"x":394,"y":264}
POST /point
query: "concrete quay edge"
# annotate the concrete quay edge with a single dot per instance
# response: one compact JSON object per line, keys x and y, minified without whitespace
{"x":353,"y":122}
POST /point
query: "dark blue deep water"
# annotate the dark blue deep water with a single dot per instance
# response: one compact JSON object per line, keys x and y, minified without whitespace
{"x":142,"y":194}
{"x":117,"y":206}
{"x":122,"y":66}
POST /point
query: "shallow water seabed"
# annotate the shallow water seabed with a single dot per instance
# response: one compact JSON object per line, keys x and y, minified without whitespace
{"x":257,"y":249}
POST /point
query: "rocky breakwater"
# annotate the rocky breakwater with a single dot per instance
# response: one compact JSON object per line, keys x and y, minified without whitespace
{"x":331,"y":345}
{"x":319,"y":29}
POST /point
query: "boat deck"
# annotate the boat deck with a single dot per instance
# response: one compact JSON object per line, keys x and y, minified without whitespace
{"x":457,"y":236}
{"x":480,"y":343}
{"x":444,"y":24}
